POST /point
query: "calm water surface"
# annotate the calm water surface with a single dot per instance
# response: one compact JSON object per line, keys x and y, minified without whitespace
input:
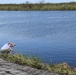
{"x":49,"y":34}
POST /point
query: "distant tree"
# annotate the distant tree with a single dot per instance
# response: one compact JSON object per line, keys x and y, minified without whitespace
{"x":27,"y":2}
{"x":41,"y":1}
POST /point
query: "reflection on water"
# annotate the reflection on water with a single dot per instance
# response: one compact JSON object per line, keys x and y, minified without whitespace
{"x":48,"y":34}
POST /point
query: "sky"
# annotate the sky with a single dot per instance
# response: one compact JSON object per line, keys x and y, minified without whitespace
{"x":33,"y":1}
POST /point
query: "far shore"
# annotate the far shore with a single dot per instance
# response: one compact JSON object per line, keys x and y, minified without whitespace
{"x":39,"y":6}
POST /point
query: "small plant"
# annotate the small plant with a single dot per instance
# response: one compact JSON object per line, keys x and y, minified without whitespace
{"x":51,"y":64}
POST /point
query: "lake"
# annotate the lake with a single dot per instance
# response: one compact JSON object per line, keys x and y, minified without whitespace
{"x":51,"y":35}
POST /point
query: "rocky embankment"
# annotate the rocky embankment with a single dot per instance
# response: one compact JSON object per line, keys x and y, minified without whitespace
{"x":7,"y":68}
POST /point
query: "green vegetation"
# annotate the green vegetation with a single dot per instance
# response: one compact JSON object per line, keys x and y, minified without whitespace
{"x":62,"y":68}
{"x":40,"y":6}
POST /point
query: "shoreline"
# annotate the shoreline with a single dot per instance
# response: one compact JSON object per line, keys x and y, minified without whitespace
{"x":8,"y":68}
{"x":61,"y":68}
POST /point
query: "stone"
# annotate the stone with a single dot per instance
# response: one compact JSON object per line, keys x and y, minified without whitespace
{"x":7,"y":68}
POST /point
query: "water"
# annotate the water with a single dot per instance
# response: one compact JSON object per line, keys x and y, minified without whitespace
{"x":49,"y":34}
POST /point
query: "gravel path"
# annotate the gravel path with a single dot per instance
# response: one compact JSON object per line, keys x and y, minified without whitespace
{"x":7,"y":68}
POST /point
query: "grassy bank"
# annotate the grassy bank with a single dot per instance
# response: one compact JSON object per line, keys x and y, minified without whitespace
{"x":35,"y":62}
{"x":41,"y":6}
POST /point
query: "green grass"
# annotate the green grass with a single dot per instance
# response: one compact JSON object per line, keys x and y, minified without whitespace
{"x":35,"y":62}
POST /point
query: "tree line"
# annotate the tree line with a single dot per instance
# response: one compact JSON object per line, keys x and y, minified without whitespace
{"x":40,"y":6}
